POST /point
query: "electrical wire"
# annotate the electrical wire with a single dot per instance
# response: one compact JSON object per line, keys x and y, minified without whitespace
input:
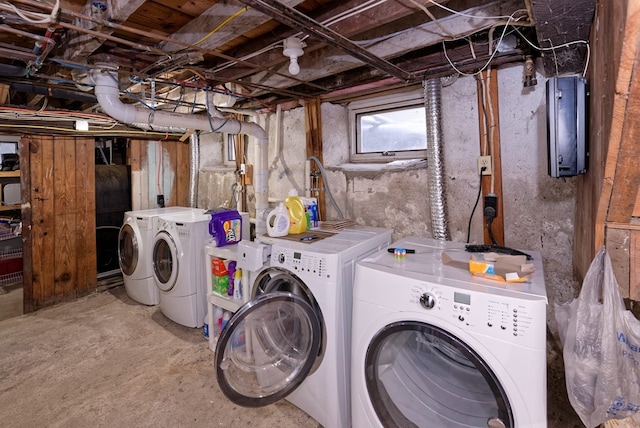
{"x":217,"y":28}
{"x":474,"y":208}
{"x":41,"y":18}
{"x":564,"y":45}
{"x":326,"y":186}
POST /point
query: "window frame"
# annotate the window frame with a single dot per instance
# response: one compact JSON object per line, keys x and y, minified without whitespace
{"x":405,"y":99}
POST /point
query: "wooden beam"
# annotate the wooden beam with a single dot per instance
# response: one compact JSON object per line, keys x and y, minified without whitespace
{"x":489,"y":123}
{"x":83,"y":45}
{"x":313,"y":131}
{"x":4,"y":94}
{"x":312,"y":66}
{"x":558,"y":22}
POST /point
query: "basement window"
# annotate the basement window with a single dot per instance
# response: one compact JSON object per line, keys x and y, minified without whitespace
{"x":388,"y":128}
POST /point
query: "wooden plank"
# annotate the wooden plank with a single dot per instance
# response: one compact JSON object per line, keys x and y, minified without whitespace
{"x":490,"y":138}
{"x":27,"y":226}
{"x":634,"y":265}
{"x":313,"y":131}
{"x":617,"y":244}
{"x":627,"y":175}
{"x":64,"y":218}
{"x":134,"y":159}
{"x":86,"y":272}
{"x":613,"y":54}
{"x":4,"y":93}
{"x":183,"y":155}
{"x":169,"y":159}
{"x":636,"y":206}
{"x":43,"y":233}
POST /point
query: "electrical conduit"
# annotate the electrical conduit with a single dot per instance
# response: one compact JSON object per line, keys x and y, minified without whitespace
{"x":108,"y":96}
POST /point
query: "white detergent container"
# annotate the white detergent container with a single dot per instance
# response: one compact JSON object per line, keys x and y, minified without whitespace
{"x":278,"y":221}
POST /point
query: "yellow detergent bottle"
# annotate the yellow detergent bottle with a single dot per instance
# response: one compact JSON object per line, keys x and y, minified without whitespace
{"x":297,"y":218}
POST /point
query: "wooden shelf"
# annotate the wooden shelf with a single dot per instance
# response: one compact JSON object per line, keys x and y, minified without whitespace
{"x":8,"y":174}
{"x":10,"y":207}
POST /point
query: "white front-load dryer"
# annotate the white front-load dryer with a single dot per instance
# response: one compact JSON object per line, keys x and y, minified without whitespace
{"x":179,"y":267}
{"x":434,"y":346}
{"x":292,"y":339}
{"x":135,"y":241}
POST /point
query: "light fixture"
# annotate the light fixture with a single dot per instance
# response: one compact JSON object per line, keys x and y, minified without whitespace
{"x":293,"y":49}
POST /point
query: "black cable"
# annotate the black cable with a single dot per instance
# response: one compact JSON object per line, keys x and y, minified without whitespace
{"x":490,"y":230}
{"x":474,"y":208}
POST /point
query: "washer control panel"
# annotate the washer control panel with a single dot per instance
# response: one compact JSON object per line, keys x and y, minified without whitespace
{"x":301,"y":262}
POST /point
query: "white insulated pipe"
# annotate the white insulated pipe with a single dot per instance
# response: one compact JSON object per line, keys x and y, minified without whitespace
{"x":108,"y":96}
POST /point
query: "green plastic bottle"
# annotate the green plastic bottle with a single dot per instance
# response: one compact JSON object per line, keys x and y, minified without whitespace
{"x":297,"y":218}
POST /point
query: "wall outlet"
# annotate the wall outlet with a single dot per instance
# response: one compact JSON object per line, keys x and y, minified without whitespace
{"x":484,"y":162}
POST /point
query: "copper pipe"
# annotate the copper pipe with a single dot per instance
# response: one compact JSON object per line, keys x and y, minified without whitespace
{"x":8,"y":29}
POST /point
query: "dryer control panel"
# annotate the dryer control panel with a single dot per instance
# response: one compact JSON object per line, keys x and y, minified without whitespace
{"x":512,"y":320}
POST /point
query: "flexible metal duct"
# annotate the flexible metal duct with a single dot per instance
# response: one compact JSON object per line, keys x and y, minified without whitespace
{"x":194,"y":161}
{"x":435,"y":159}
{"x":108,"y":96}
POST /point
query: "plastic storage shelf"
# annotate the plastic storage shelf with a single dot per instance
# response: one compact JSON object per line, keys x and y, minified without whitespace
{"x":228,"y":303}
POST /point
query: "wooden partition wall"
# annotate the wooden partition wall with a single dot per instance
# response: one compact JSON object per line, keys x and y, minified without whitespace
{"x":59,"y":210}
{"x":58,"y":214}
{"x":608,"y":203}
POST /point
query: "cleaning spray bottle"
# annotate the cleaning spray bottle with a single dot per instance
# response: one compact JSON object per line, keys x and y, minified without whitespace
{"x":297,"y":218}
{"x":278,"y":221}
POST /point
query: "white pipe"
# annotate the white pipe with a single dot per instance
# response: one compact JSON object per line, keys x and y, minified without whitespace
{"x":278,"y":135}
{"x":108,"y":96}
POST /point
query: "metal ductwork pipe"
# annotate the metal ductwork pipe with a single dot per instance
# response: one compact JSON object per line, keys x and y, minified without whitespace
{"x":435,"y":159}
{"x":194,"y":162}
{"x":108,"y":96}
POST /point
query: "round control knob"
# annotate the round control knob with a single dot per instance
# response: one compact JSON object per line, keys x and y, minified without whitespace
{"x":428,"y":301}
{"x":281,"y":258}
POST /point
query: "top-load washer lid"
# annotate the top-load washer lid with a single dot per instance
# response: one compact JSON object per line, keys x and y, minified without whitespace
{"x":267,"y":349}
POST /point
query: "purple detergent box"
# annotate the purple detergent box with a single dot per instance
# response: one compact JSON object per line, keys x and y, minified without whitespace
{"x":226,"y":227}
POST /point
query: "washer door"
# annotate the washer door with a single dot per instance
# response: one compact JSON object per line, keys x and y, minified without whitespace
{"x":165,"y":261}
{"x":128,"y":249}
{"x":419,"y":375}
{"x":267,"y":349}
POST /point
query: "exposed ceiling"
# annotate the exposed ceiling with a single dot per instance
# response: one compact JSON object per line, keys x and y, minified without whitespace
{"x":170,"y":52}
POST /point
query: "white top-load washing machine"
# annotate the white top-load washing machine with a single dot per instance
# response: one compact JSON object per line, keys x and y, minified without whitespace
{"x":135,"y":240}
{"x":178,"y":266}
{"x":434,"y":346}
{"x":291,"y":341}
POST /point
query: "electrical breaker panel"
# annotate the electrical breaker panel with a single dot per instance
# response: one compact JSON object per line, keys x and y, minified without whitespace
{"x":567,"y":102}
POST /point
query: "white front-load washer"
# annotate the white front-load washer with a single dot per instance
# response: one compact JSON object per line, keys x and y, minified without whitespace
{"x":135,"y":241}
{"x":179,"y":268}
{"x":292,"y":339}
{"x":434,"y":346}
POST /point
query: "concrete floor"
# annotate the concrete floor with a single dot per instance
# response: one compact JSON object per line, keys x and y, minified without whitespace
{"x":107,"y":361}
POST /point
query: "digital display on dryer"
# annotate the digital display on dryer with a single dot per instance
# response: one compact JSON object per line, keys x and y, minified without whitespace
{"x":464,"y":299}
{"x":297,"y":255}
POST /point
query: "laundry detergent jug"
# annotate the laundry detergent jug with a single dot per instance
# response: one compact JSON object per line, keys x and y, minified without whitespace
{"x":278,"y":221}
{"x":297,"y":218}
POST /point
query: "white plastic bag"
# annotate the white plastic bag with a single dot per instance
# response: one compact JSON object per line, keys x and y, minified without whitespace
{"x":601,"y":348}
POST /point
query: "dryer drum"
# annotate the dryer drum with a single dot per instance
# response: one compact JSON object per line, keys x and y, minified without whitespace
{"x":419,"y":375}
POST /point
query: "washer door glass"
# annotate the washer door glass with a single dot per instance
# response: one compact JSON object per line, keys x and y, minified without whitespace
{"x":267,"y":349}
{"x":127,"y":249}
{"x":165,"y":261}
{"x":418,"y":375}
